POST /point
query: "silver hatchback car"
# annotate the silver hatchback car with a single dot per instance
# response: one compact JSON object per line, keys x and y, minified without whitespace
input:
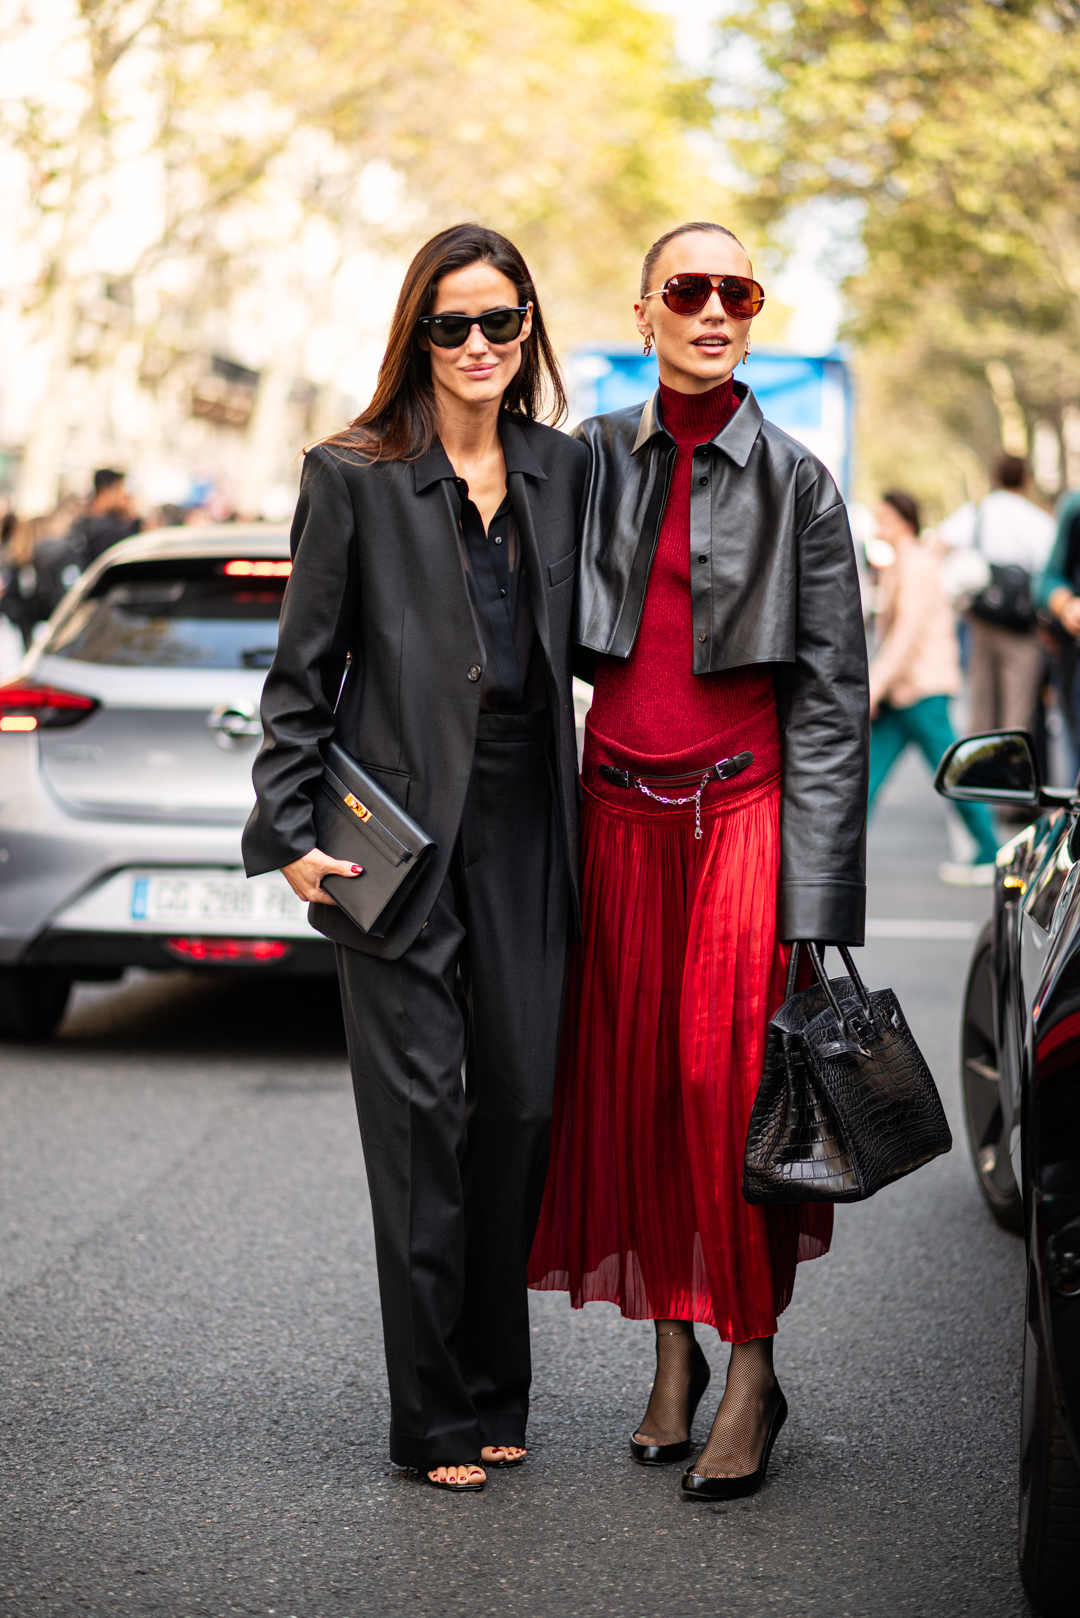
{"x":126,"y":743}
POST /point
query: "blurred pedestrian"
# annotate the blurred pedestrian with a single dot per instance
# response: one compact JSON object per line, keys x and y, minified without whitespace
{"x":109,"y":518}
{"x":434,"y":541}
{"x":915,"y":671}
{"x":725,"y":779}
{"x":31,"y":563}
{"x":1057,"y":591}
{"x":1013,"y":536}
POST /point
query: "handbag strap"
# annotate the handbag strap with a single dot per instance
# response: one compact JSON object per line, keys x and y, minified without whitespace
{"x":816,"y":951}
{"x":823,"y":978}
{"x":792,"y":971}
{"x":860,"y":987}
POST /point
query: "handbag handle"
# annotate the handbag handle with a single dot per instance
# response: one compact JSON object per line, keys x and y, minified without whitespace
{"x":817,"y":961}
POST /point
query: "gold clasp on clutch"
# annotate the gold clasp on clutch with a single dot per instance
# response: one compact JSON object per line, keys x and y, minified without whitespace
{"x":357,"y":807}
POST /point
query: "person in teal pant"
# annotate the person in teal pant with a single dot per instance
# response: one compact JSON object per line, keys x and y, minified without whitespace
{"x":915,"y":671}
{"x":1057,"y":590}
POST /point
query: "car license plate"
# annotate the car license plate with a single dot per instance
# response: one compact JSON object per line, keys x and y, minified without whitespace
{"x":213,"y":900}
{"x":216,"y":902}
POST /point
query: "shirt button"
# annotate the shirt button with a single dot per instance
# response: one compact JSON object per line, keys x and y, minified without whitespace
{"x":703,"y":558}
{"x":703,"y":637}
{"x":703,"y":481}
{"x":474,"y":672}
{"x":498,"y":539}
{"x":502,"y":592}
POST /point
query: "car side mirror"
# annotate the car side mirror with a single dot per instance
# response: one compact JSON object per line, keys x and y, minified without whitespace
{"x":998,"y":768}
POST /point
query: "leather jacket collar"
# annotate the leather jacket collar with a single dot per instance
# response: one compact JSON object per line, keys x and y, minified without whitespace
{"x":736,"y":438}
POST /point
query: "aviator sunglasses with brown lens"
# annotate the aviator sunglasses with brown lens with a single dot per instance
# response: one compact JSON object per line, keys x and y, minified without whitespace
{"x":497,"y":325}
{"x":688,"y":294}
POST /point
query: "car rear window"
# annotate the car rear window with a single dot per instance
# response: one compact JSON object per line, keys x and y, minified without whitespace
{"x":173,"y":615}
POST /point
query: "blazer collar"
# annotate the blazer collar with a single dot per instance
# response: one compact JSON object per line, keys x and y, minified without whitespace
{"x":435,"y":465}
{"x":736,"y":438}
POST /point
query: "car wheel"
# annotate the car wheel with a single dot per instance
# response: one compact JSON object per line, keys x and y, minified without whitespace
{"x":32,"y":1002}
{"x":982,"y":1100}
{"x":1049,"y":1485}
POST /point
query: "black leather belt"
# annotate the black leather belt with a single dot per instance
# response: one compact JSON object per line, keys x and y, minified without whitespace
{"x":722,"y":770}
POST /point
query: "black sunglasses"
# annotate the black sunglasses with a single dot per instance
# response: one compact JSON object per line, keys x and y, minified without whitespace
{"x":497,"y":325}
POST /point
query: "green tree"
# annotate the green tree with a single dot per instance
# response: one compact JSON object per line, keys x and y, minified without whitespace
{"x":562,"y":122}
{"x":953,"y":125}
{"x":565,"y":123}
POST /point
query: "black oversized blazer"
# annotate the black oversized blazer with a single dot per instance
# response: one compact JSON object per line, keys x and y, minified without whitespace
{"x":378,"y":578}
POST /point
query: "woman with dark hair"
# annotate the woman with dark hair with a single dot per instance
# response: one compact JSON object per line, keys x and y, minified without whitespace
{"x":426,"y":629}
{"x":725,"y":793}
{"x":915,"y":671}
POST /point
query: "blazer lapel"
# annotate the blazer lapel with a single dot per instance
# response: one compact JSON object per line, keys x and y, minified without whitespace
{"x":518,"y":485}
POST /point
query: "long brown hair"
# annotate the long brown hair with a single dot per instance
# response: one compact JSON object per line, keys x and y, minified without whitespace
{"x":401,"y":423}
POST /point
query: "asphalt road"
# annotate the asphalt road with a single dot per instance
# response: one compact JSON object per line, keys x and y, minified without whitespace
{"x":193,"y":1413}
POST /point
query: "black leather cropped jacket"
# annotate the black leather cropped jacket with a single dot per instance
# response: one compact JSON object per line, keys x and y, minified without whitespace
{"x":773,"y":580}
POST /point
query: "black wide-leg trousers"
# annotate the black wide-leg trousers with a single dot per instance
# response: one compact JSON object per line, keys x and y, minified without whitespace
{"x":456,"y":1171}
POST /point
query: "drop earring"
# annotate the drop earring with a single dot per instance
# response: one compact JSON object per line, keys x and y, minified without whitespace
{"x":746,"y":351}
{"x":647,"y":350}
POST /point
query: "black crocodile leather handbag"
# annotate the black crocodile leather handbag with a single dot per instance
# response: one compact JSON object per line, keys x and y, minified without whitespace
{"x":846,"y":1103}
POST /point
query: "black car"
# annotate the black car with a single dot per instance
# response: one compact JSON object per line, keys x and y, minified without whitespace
{"x":1020,"y":1066}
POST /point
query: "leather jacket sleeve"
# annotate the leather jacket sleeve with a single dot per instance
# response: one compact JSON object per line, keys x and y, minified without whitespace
{"x":302,"y":687}
{"x":823,"y":705}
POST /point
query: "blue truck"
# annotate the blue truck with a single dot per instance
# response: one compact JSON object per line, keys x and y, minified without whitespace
{"x":808,"y":395}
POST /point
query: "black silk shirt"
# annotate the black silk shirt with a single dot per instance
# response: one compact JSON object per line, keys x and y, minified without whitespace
{"x":513,"y":678}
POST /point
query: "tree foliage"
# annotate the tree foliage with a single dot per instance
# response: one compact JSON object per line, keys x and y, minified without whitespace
{"x":561,"y":122}
{"x":953,"y":125}
{"x":565,"y":123}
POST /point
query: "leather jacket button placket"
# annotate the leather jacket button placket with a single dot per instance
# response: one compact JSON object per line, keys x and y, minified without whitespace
{"x":701,"y":542}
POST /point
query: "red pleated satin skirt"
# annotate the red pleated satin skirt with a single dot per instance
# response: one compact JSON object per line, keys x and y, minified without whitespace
{"x":672,"y":986}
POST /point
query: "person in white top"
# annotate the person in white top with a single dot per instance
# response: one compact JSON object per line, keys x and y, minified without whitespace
{"x":916,"y":670}
{"x":1010,"y":531}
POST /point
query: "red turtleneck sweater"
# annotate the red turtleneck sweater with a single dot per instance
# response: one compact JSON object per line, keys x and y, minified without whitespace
{"x":651,"y":705}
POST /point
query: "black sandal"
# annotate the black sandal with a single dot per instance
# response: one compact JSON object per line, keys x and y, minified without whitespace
{"x":503,"y":1466}
{"x":455,"y":1488}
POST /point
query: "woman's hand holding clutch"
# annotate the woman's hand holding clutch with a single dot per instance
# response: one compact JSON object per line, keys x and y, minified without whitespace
{"x":305,"y":875}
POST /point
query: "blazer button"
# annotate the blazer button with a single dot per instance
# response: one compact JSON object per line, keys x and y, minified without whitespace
{"x":474,"y":671}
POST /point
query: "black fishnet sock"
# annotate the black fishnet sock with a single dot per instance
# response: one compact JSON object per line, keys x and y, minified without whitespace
{"x":734,"y":1445}
{"x":665,"y":1419}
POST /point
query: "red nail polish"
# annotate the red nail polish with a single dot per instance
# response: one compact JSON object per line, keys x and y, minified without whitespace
{"x":357,"y":870}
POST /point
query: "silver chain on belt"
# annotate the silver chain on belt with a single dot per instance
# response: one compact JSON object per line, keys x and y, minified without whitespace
{"x":722,"y":770}
{"x":694,"y":797}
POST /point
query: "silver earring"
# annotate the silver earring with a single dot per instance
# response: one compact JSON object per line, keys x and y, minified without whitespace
{"x":647,"y":350}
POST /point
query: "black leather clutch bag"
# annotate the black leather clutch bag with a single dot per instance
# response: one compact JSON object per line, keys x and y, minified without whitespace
{"x":356,"y":820}
{"x":846,"y":1103}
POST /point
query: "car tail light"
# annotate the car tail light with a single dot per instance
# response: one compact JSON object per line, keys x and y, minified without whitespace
{"x":245,"y":568}
{"x":219,"y":950}
{"x":25,"y":705}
